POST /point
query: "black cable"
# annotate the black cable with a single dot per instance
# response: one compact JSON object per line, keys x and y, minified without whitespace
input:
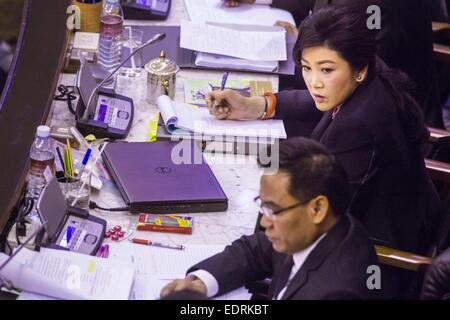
{"x":25,"y":207}
{"x":66,"y":93}
{"x":93,"y":205}
{"x":22,"y":208}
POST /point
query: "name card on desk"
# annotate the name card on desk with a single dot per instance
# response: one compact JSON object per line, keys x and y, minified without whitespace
{"x":86,"y":41}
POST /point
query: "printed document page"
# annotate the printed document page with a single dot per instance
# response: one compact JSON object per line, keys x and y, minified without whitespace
{"x":161,"y":263}
{"x":215,"y":11}
{"x":252,"y":45}
{"x":156,"y":267}
{"x":69,"y":275}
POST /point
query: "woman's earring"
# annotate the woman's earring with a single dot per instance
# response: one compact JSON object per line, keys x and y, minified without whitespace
{"x":359,"y":78}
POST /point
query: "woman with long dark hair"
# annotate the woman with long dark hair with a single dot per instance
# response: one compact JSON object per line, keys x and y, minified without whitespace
{"x":369,"y":121}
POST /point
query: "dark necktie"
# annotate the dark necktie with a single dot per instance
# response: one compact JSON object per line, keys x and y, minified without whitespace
{"x":285,"y":272}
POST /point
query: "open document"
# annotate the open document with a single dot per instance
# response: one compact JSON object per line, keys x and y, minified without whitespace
{"x":259,"y":44}
{"x":68,"y":275}
{"x":189,"y":118}
{"x":215,"y":11}
{"x":156,"y":267}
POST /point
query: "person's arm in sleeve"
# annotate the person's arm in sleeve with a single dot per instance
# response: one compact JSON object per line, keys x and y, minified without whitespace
{"x":246,"y":260}
{"x":296,"y":105}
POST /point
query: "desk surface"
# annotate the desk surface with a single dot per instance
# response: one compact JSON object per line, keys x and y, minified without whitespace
{"x":238,"y":175}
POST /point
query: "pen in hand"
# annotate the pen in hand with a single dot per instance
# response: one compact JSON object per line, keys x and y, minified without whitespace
{"x":224,"y":81}
{"x":222,"y":87}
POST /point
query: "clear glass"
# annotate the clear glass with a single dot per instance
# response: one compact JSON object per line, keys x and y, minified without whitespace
{"x":77,"y":190}
{"x":132,"y":39}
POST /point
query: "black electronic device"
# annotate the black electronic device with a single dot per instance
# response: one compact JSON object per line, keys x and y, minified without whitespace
{"x":146,"y":9}
{"x":109,"y":115}
{"x":68,"y":228}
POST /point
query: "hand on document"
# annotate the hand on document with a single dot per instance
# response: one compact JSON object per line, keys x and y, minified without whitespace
{"x":235,"y":3}
{"x":289,"y":27}
{"x":230,"y":105}
{"x":190,"y":288}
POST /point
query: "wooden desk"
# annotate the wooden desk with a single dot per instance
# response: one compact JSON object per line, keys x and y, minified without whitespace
{"x":238,"y":175}
{"x":439,"y":26}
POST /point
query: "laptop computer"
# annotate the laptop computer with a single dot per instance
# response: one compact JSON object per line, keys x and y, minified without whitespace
{"x":164,"y":177}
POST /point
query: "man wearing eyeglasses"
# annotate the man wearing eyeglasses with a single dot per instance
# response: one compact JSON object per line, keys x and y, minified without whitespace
{"x":310,"y":248}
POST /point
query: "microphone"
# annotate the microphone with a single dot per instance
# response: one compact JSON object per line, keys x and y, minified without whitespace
{"x":156,"y":38}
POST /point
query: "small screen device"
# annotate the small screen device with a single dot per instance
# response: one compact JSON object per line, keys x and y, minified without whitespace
{"x":146,"y":9}
{"x":68,"y":228}
{"x":109,"y":115}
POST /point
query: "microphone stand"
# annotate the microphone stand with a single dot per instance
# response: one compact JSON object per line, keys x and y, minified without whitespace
{"x":156,"y":38}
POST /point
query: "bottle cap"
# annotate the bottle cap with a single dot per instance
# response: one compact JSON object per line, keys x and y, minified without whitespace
{"x":43,"y":131}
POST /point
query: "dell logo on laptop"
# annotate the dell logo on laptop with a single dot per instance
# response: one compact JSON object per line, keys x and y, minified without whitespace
{"x":163,"y":170}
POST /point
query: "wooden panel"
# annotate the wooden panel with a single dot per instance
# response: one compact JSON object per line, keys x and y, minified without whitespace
{"x":29,"y":92}
{"x":402,"y":259}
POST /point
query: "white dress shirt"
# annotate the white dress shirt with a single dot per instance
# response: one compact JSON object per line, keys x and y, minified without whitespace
{"x":212,"y":286}
{"x":299,"y":258}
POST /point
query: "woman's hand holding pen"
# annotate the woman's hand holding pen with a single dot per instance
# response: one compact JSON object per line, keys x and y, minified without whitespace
{"x":184,"y":284}
{"x":229,"y":104}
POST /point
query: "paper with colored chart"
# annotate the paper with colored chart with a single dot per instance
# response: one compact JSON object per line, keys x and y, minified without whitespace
{"x":68,"y":275}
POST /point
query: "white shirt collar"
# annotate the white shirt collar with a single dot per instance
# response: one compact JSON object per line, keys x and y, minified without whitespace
{"x":300,"y":257}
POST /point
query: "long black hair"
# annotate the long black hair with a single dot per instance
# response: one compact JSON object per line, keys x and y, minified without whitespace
{"x":344,"y":29}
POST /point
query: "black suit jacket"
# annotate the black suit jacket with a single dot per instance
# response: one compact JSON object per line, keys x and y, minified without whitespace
{"x":392,"y":194}
{"x":335,"y":269}
{"x":405,"y":42}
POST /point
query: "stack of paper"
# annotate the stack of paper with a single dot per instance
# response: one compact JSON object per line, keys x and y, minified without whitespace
{"x":240,"y":38}
{"x":246,"y":14}
{"x":68,"y":275}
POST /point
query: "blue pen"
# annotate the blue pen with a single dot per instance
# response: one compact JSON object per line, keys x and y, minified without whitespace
{"x":222,"y":87}
{"x":224,"y":81}
{"x":84,"y":162}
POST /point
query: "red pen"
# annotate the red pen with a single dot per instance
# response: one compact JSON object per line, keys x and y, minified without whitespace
{"x":158,"y":244}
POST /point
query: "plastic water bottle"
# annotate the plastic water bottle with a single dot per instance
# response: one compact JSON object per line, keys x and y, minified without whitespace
{"x":41,"y":157}
{"x":110,"y":47}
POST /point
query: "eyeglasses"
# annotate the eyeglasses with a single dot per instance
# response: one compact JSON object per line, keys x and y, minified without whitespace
{"x":270,"y":213}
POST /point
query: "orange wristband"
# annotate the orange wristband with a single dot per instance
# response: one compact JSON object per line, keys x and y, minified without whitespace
{"x":272,"y":106}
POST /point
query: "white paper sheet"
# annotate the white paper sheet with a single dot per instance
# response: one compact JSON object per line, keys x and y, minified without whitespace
{"x":253,"y":45}
{"x":161,"y":263}
{"x":215,"y":11}
{"x":69,"y":275}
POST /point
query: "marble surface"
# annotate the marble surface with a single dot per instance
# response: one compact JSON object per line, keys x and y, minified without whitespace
{"x":238,"y":175}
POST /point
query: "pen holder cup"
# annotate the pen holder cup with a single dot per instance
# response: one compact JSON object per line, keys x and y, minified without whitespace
{"x":76,"y":190}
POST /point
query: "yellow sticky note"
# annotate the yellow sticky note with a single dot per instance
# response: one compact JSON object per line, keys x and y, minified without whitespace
{"x":91,"y":266}
{"x":153,"y":127}
{"x":183,"y":223}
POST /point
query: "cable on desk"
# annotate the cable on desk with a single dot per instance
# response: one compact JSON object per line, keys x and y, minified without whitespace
{"x":93,"y":205}
{"x":25,"y":207}
{"x":66,"y":93}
